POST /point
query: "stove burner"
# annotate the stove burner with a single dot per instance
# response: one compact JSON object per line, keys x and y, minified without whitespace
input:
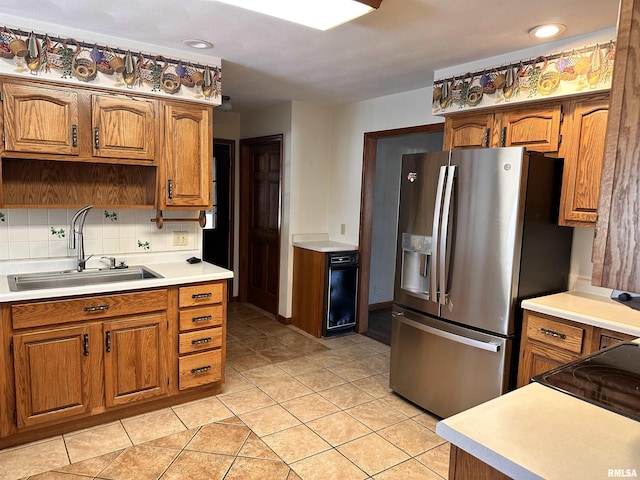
{"x":609,"y":378}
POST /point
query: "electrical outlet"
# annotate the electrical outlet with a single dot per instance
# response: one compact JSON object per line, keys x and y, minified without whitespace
{"x":180,"y":239}
{"x":342,"y":228}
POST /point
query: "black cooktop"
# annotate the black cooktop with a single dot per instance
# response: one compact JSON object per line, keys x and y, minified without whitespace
{"x":609,"y":378}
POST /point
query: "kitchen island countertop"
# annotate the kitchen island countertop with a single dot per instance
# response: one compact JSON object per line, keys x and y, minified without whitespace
{"x":536,"y":432}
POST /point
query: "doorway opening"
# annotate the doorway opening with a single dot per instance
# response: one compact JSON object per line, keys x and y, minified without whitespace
{"x":379,"y":220}
{"x":217,"y":236}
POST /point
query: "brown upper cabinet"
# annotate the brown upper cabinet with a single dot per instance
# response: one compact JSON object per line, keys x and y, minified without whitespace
{"x":616,"y":262}
{"x":60,"y":122}
{"x":573,"y":129}
{"x":531,"y":126}
{"x":583,"y":152}
{"x":187,"y":156}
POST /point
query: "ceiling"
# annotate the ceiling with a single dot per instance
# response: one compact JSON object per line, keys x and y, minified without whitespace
{"x":264,"y":60}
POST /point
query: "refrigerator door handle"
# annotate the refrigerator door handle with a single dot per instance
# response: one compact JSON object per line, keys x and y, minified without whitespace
{"x":443,"y":296}
{"x":472,"y":342}
{"x":433,"y":289}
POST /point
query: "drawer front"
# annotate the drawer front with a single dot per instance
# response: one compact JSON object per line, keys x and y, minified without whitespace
{"x":25,"y":315}
{"x":200,"y":340}
{"x":200,"y":317}
{"x":206,"y":294}
{"x":550,"y":332}
{"x":200,"y":369}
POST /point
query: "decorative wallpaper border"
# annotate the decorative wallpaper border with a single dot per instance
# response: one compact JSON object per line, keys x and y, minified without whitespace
{"x":560,"y":74}
{"x":66,"y":60}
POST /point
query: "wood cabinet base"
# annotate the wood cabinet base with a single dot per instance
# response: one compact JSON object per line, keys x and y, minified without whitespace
{"x":111,"y":415}
{"x":464,"y":466}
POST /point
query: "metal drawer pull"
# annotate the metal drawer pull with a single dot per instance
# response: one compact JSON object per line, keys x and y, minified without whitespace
{"x":201,"y":295}
{"x":551,"y":333}
{"x":201,"y":369}
{"x":204,"y":318}
{"x":96,"y":308}
{"x":199,"y":341}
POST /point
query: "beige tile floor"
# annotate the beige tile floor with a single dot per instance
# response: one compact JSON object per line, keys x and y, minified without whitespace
{"x":293,"y":407}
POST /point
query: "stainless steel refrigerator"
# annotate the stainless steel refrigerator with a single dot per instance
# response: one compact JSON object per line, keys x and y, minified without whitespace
{"x":477,"y":233}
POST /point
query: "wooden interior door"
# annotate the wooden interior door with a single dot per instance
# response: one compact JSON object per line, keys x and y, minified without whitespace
{"x":260,"y":164}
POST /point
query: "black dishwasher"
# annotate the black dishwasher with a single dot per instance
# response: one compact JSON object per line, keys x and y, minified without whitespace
{"x":341,"y":293}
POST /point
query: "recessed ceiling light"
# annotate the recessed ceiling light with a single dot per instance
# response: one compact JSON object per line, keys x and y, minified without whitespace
{"x":195,"y":43}
{"x":547,"y":31}
{"x":319,"y":14}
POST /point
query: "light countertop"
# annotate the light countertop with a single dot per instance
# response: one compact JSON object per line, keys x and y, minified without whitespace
{"x":172,"y":267}
{"x":320,"y":242}
{"x":589,"y":309}
{"x":536,"y":432}
{"x":325,"y":246}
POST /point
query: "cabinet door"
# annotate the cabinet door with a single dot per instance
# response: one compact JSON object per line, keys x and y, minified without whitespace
{"x":134,"y":359}
{"x":188,"y":156}
{"x":536,"y":129}
{"x":40,"y":119}
{"x":52,"y":373}
{"x":123,"y":127}
{"x":583,"y":152}
{"x":467,"y":131}
{"x":536,"y":359}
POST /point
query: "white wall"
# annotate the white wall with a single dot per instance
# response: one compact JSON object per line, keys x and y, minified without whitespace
{"x":352,"y":121}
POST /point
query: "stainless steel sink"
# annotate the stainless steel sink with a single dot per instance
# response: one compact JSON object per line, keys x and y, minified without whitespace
{"x":73,"y":278}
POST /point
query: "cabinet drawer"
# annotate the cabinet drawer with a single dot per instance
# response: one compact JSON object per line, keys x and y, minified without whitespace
{"x":551,"y":332}
{"x":54,"y":312}
{"x":201,"y":317}
{"x":201,"y":294}
{"x":200,"y":340}
{"x":200,"y":369}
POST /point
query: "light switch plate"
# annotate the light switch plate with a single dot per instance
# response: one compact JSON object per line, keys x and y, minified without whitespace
{"x":180,"y":239}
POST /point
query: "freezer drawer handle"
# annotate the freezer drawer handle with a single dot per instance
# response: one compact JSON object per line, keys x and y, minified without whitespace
{"x":551,"y":333}
{"x":472,"y":342}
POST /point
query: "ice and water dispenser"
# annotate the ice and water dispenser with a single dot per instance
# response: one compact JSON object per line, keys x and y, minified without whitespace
{"x":416,"y":260}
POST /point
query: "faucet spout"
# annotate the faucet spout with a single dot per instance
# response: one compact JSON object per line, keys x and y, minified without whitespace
{"x":76,"y":237}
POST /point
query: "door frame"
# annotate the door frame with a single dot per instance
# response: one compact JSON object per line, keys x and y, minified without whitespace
{"x":245,"y":188}
{"x":232,"y":196}
{"x":366,"y":210}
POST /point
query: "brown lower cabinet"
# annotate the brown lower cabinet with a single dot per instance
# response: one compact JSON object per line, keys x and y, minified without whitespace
{"x":73,"y":362}
{"x":548,"y":342}
{"x":464,"y":466}
{"x":309,"y":280}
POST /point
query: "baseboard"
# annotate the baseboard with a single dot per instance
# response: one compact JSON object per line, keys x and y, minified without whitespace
{"x":379,"y":306}
{"x":284,"y":320}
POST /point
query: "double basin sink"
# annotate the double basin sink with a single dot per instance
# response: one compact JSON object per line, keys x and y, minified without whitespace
{"x":73,"y":278}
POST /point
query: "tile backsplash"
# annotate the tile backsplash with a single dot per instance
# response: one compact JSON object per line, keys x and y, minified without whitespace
{"x":44,"y":233}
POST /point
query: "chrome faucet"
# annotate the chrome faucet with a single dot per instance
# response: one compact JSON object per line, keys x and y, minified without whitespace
{"x":76,"y":239}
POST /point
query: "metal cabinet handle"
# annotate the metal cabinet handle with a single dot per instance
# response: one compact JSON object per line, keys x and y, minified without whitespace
{"x":201,"y":369}
{"x":204,"y":318}
{"x":74,"y":135}
{"x":96,"y":308}
{"x":108,"y":341}
{"x":85,"y":344}
{"x":503,"y":137}
{"x":170,"y":189}
{"x":200,"y":341}
{"x":96,"y":138}
{"x":196,"y":296}
{"x":487,"y":135}
{"x":551,"y":333}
